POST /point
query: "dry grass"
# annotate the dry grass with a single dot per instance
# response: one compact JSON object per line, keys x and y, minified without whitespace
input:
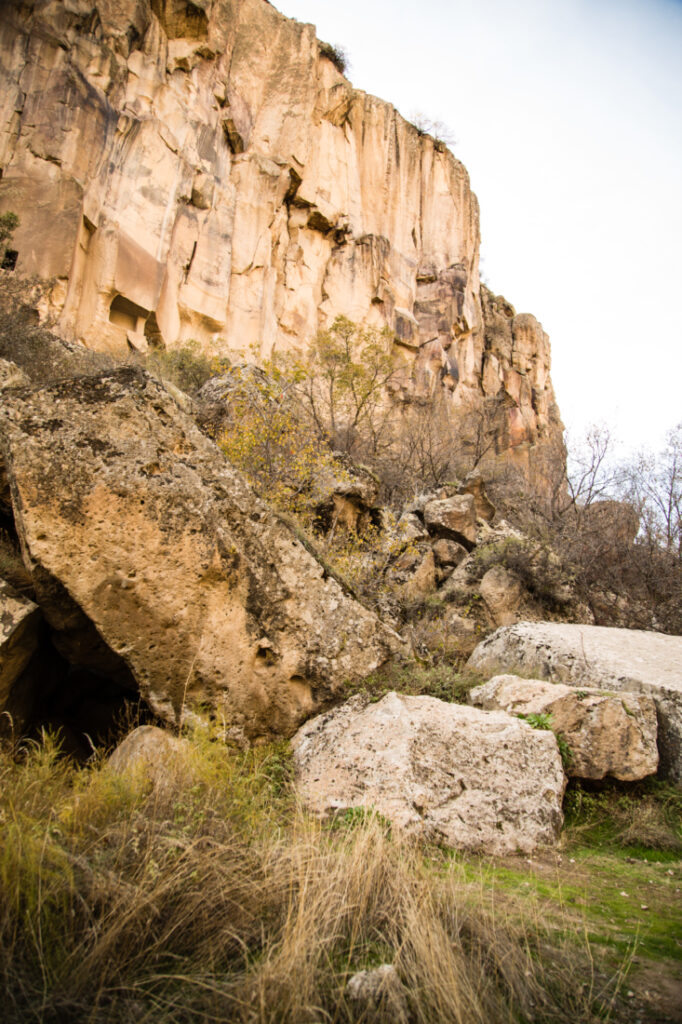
{"x":210,"y":896}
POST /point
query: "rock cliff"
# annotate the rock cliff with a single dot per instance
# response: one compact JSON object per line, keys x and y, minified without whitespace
{"x":202,"y":170}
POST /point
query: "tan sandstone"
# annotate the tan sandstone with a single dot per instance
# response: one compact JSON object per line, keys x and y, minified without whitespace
{"x":606,"y":733}
{"x":216,"y":177}
{"x":140,"y":534}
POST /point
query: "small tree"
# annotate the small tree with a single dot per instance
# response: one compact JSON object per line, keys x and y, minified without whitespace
{"x":343,"y":383}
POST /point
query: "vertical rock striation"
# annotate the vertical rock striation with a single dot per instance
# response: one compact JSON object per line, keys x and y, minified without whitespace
{"x":203,"y":170}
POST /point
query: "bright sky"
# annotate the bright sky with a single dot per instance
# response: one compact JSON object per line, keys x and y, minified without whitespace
{"x":568,"y":117}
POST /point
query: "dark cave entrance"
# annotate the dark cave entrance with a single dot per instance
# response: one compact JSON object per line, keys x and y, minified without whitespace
{"x":84,"y":708}
{"x":74,"y":685}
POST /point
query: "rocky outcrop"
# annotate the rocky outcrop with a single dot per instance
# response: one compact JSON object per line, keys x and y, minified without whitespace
{"x":19,"y":624}
{"x":213,"y":175}
{"x":623,"y":660}
{"x":153,"y":560}
{"x":475,"y":780}
{"x":604,"y":733}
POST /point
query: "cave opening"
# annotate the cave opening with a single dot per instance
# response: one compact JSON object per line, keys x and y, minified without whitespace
{"x":9,"y":260}
{"x":73,"y":684}
{"x":126,"y":314}
{"x":85,"y":709}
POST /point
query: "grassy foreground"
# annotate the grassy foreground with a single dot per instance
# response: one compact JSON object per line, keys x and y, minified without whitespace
{"x":209,"y":895}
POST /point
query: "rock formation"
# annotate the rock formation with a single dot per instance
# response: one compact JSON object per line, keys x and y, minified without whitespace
{"x":156,"y":565}
{"x":604,"y":733}
{"x":202,"y":170}
{"x":624,"y":660}
{"x":474,"y":780}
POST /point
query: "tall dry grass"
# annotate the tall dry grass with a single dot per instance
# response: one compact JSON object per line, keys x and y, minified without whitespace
{"x":208,"y":895}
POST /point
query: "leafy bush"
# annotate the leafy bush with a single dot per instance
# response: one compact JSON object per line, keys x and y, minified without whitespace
{"x":187,"y":366}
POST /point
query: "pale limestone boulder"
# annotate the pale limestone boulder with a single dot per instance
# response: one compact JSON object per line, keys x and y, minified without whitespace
{"x":453,"y":517}
{"x":503,"y":594}
{"x":151,"y":750}
{"x":474,"y":780}
{"x":622,"y":660}
{"x":606,"y":733}
{"x":378,"y":995}
{"x":19,"y":624}
{"x":140,"y":536}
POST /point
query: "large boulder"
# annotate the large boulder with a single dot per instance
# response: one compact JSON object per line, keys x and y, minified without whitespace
{"x":152,"y":751}
{"x":597,"y":656}
{"x":453,"y":517}
{"x":474,"y":780}
{"x":606,"y":733}
{"x":133,"y":520}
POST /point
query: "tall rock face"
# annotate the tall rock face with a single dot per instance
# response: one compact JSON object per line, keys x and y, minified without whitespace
{"x":202,"y":170}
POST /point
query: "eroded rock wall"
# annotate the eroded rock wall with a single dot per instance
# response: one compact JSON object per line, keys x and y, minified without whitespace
{"x":200,"y":170}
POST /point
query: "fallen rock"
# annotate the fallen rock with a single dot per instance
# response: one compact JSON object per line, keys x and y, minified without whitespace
{"x":453,"y":517}
{"x":410,"y":527}
{"x":448,"y":552}
{"x":133,"y":519}
{"x":423,"y":578}
{"x":502,"y":593}
{"x":379,"y":995}
{"x":597,"y":656}
{"x":19,"y":623}
{"x":474,"y":780}
{"x":606,"y":733}
{"x":150,"y":749}
{"x":474,"y":484}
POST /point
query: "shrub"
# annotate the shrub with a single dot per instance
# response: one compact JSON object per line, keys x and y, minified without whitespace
{"x":337,"y":55}
{"x":532,"y":562}
{"x":187,"y":366}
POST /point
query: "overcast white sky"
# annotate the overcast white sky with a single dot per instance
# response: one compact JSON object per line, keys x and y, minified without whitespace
{"x":568,"y":116}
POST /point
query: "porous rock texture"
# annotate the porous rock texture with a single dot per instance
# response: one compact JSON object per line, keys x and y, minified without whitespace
{"x":602,"y":657}
{"x":201,"y":170}
{"x":606,"y":733}
{"x":141,"y":537}
{"x":474,"y":780}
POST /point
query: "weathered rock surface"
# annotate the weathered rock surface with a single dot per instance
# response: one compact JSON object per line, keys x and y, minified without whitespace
{"x":597,"y":656}
{"x":475,"y":780}
{"x":149,"y":749}
{"x":19,"y":622}
{"x":454,"y":518}
{"x":378,"y":995}
{"x":178,"y":177}
{"x":607,"y":733}
{"x":134,"y":525}
{"x":503,"y":595}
